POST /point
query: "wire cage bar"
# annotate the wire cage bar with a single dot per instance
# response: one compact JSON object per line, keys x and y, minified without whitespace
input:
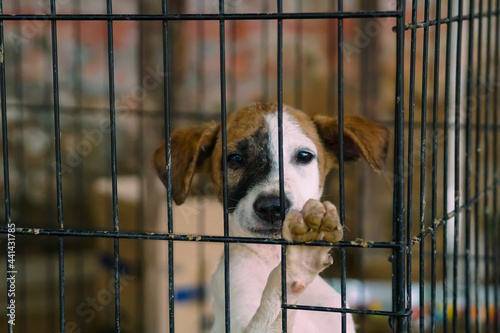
{"x":444,"y":257}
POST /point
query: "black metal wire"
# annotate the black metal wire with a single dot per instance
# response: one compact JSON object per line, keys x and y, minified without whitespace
{"x":114,"y":172}
{"x":202,"y":238}
{"x":477,"y":178}
{"x":57,"y":135}
{"x":353,"y":311}
{"x":264,"y":42}
{"x":423,"y":156}
{"x":458,"y":87}
{"x":434,"y":186}
{"x":486,"y":209}
{"x":332,"y":80}
{"x":445,"y":167}
{"x":222,"y":50}
{"x":468,"y":110}
{"x":399,"y":256}
{"x":168,"y":163}
{"x":340,"y":101}
{"x":5,"y":155}
{"x":411,"y":126}
{"x":196,"y":17}
{"x":496,"y":217}
{"x":299,"y":55}
{"x":281,"y":171}
{"x":191,"y":115}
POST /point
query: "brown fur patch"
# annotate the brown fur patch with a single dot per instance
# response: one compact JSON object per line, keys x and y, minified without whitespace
{"x":362,"y":138}
{"x":190,"y":147}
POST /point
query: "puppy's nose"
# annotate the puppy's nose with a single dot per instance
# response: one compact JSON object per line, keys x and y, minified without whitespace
{"x":267,"y":207}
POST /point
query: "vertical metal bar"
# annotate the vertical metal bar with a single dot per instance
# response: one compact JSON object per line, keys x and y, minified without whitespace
{"x":168,"y":161}
{"x":458,"y":87}
{"x":200,"y":56}
{"x":411,"y":126}
{"x":222,"y":50}
{"x":284,"y":312}
{"x":477,"y":167}
{"x":299,"y":79}
{"x":111,"y":87}
{"x":233,"y":91}
{"x":486,"y":209}
{"x":423,"y":140}
{"x":468,"y":110}
{"x":5,"y":156}
{"x":331,"y":42}
{"x":398,"y":280}
{"x":340,"y":93}
{"x":51,"y":214}
{"x":496,"y":178}
{"x":57,"y":128}
{"x":435,"y":114}
{"x":265,"y":53}
{"x":445,"y":165}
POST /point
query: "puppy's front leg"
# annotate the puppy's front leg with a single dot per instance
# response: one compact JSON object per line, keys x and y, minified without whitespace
{"x":316,"y":221}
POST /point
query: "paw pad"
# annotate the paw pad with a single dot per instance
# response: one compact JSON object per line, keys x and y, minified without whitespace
{"x":316,"y":221}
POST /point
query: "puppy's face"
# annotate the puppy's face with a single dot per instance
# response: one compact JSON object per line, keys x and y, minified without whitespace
{"x":253,"y":167}
{"x":310,"y":150}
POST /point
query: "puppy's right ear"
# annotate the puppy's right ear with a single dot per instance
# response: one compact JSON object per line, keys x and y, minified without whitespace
{"x":190,"y":147}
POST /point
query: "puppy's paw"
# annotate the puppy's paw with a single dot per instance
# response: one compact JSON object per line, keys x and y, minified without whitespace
{"x":316,"y":221}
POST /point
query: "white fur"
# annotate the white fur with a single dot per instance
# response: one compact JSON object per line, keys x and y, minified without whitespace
{"x":255,"y":269}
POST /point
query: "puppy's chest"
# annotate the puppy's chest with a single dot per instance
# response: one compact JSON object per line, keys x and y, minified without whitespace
{"x":258,"y":258}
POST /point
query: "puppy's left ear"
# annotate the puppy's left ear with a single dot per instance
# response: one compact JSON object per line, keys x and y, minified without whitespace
{"x":362,"y":138}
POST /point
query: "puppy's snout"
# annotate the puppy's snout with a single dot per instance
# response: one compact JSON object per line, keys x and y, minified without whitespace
{"x":268,"y":208}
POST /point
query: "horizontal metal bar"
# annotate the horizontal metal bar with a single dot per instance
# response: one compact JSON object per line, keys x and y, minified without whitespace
{"x":196,"y":17}
{"x":197,"y":238}
{"x":93,"y":110}
{"x":196,"y":115}
{"x":348,"y":310}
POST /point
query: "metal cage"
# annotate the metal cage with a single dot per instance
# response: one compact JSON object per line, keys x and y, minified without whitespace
{"x":443,"y":252}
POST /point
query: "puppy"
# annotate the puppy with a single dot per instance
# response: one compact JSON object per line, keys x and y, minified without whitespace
{"x":310,"y":151}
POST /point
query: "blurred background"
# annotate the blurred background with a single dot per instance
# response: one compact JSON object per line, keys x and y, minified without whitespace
{"x":310,"y":83}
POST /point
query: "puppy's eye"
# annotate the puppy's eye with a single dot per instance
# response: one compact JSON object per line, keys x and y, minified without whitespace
{"x":304,"y":157}
{"x":234,"y":161}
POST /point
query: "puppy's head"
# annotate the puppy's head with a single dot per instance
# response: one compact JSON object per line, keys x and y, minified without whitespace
{"x":310,"y":149}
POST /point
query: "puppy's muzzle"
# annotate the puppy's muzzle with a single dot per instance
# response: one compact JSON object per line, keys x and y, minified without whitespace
{"x":267,"y":207}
